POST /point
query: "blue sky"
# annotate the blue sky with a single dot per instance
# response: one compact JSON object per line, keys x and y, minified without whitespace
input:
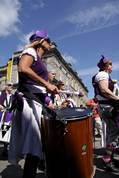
{"x":82,"y":29}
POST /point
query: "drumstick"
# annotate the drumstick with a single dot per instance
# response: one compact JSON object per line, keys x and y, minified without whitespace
{"x":80,"y":94}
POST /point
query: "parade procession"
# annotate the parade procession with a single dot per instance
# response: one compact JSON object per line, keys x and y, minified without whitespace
{"x":47,"y":119}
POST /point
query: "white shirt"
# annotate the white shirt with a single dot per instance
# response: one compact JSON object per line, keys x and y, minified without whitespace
{"x":102,"y":75}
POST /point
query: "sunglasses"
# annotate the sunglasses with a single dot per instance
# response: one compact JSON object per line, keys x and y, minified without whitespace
{"x":10,"y":85}
{"x":45,"y":39}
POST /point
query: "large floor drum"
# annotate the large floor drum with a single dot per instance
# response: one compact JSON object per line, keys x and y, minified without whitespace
{"x":68,"y":144}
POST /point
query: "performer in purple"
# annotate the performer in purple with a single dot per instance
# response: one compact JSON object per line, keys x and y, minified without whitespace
{"x":103,"y":88}
{"x":33,"y":84}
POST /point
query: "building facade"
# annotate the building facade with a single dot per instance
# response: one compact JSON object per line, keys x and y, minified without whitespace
{"x":65,"y":73}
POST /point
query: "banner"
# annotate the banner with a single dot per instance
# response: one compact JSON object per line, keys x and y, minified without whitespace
{"x":9,"y":70}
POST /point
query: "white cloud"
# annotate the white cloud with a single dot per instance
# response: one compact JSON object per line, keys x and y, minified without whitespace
{"x":40,"y":4}
{"x":24,"y":39}
{"x":9,"y":16}
{"x":96,"y":15}
{"x":82,"y":72}
{"x":36,"y":4}
{"x":115,"y":66}
{"x":93,"y":70}
{"x":93,"y":18}
{"x":87,"y":71}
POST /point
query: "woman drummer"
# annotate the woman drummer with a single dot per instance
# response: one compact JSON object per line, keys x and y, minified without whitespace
{"x":103,"y":88}
{"x":33,"y":83}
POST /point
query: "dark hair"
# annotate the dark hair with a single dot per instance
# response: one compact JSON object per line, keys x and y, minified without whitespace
{"x":37,"y":46}
{"x":34,"y":38}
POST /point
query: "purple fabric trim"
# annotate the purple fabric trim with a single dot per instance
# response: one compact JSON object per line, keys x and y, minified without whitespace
{"x":38,"y":35}
{"x":7,"y":116}
{"x":47,"y":100}
{"x":1,"y":115}
{"x":42,"y":33}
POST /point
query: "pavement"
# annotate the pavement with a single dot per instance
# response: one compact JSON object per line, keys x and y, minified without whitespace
{"x":10,"y":171}
{"x":100,"y":171}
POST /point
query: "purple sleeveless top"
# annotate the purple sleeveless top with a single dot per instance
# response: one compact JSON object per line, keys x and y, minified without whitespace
{"x":38,"y":67}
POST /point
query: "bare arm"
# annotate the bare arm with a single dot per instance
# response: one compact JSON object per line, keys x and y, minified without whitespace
{"x":25,"y":67}
{"x":103,"y":85}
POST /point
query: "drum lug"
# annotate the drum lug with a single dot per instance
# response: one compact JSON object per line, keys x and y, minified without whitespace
{"x":65,"y":131}
{"x":64,"y":122}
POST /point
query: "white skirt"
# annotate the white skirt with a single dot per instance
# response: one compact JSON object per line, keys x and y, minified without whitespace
{"x":25,"y":134}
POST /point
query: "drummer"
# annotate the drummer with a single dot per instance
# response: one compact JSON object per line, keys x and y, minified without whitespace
{"x":33,"y":85}
{"x":103,"y":88}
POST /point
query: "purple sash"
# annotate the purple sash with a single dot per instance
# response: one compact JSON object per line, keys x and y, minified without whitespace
{"x":7,"y":116}
{"x":1,"y":115}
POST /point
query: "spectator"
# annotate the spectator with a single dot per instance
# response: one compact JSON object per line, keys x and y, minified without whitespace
{"x":6,"y":98}
{"x":72,"y":103}
{"x":60,"y":97}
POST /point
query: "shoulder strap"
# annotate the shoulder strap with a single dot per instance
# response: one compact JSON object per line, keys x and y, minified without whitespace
{"x":96,"y":87}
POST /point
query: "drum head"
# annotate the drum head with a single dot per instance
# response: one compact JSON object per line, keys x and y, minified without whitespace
{"x":72,"y":113}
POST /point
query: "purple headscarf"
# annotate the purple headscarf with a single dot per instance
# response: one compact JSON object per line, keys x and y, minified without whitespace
{"x":103,"y":61}
{"x":38,"y":35}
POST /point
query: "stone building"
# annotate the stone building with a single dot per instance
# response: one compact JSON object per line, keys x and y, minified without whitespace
{"x":64,"y":72}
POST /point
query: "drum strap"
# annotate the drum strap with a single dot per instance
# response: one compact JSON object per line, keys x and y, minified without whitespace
{"x":40,"y":98}
{"x":110,"y":102}
{"x":113,"y":103}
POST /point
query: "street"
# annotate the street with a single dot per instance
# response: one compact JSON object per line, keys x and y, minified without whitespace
{"x":11,"y":171}
{"x":100,"y":171}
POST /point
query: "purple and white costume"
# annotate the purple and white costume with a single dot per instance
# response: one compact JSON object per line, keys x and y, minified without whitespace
{"x":5,"y":116}
{"x":26,"y":135}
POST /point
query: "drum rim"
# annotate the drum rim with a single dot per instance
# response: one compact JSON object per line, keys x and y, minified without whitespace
{"x":73,"y":118}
